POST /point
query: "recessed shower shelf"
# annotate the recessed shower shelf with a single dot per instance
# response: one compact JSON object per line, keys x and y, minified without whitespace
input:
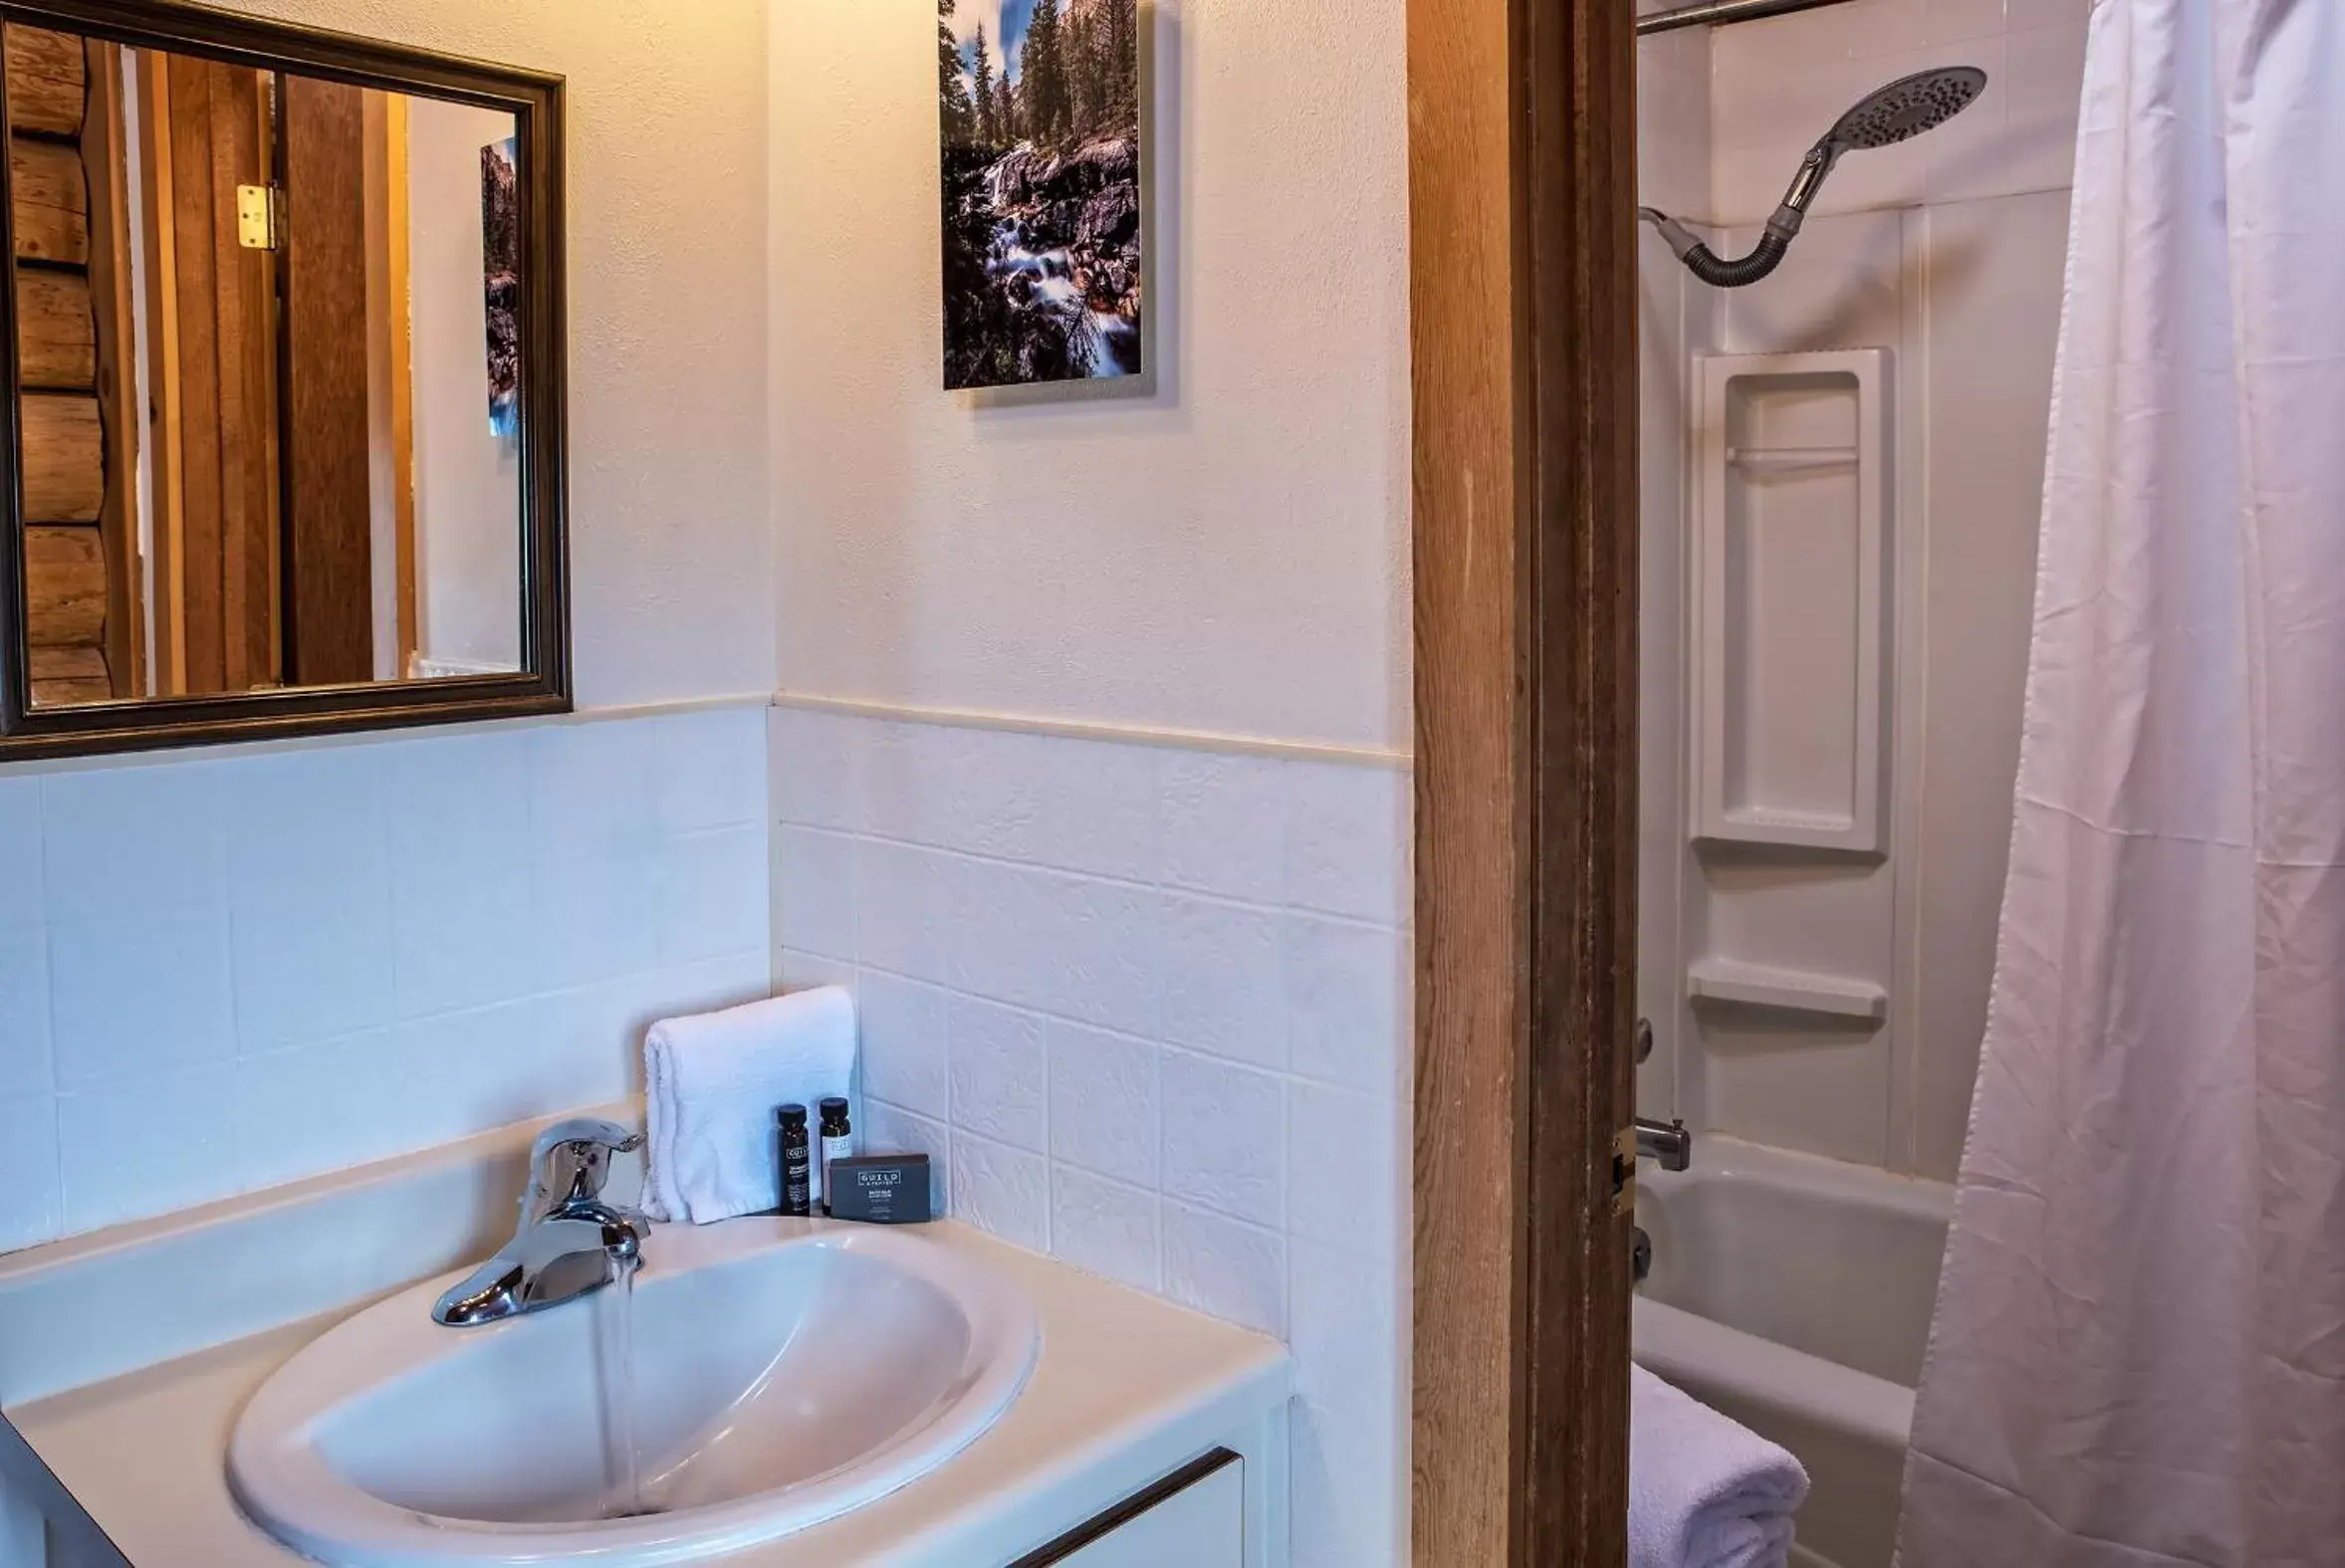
{"x":1789,"y":459}
{"x":1790,"y":628}
{"x":1785,"y":989}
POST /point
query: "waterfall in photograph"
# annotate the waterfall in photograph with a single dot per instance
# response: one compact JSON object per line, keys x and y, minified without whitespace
{"x":1040,"y":115}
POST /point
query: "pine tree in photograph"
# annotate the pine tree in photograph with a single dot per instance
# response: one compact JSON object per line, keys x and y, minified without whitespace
{"x":1095,"y":48}
{"x":1123,"y":42}
{"x":981,"y":68}
{"x":1079,"y":47}
{"x":952,"y":95}
{"x":1043,"y":67}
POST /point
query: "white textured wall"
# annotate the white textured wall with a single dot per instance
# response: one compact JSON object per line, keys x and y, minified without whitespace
{"x":467,"y":476}
{"x":1228,"y":554}
{"x":1147,"y":1008}
{"x":671,"y":552}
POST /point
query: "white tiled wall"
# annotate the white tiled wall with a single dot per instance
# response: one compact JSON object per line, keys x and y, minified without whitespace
{"x":1146,"y":1006}
{"x":1948,"y":251}
{"x":221,"y":971}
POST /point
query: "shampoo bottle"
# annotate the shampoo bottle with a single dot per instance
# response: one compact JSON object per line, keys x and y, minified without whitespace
{"x":792,"y":1162}
{"x":839,"y":1141}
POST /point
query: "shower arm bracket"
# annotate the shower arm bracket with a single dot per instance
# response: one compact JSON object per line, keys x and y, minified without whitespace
{"x":1679,"y":237}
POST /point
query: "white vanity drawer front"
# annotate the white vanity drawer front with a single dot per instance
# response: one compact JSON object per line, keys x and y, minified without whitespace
{"x":1193,"y":1518}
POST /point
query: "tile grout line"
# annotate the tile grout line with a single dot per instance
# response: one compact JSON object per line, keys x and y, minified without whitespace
{"x":1285,"y":1074}
{"x":1257,"y":1228}
{"x":856,"y":835}
{"x":1049,"y":1176}
{"x":1157,"y":1195}
{"x":56,"y":1092}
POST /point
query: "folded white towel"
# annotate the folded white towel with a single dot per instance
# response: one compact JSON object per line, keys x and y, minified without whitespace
{"x":712,"y":1081}
{"x":1704,"y":1492}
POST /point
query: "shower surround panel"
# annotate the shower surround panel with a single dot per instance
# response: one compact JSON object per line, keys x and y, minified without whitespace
{"x":1827,"y":995}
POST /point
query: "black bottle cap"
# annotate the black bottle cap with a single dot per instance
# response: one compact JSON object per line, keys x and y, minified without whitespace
{"x":833,"y":1105}
{"x":791,"y":1115}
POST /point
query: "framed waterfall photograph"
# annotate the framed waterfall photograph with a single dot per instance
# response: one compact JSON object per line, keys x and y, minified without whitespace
{"x":1038,"y":116}
{"x":500,"y":231}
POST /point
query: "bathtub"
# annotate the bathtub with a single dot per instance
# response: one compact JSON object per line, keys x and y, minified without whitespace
{"x":1793,"y":1293}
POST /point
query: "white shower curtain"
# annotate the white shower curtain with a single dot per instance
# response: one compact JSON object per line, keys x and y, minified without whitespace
{"x":2139,"y":1355}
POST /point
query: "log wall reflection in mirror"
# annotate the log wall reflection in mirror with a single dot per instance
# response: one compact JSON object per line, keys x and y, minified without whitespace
{"x":287,"y":383}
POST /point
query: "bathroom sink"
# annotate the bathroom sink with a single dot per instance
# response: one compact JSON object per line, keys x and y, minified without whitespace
{"x":776,"y":1373}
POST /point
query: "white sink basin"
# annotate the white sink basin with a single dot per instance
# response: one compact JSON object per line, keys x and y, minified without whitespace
{"x":782,"y":1374}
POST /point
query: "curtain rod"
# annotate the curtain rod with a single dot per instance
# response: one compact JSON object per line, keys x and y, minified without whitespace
{"x":1718,"y":13}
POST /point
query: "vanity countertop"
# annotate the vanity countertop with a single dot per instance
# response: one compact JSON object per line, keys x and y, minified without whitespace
{"x":1126,"y":1386}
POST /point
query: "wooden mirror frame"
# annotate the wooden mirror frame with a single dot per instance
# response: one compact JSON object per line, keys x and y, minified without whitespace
{"x":534,"y":99}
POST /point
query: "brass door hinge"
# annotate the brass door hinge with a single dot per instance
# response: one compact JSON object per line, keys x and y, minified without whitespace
{"x":260,"y":217}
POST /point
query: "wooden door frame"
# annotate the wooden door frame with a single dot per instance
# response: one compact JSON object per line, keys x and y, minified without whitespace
{"x":1522,"y":295}
{"x":324,"y":420}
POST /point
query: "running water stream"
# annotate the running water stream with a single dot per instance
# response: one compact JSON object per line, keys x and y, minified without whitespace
{"x":1108,"y":344}
{"x":615,"y":1397}
{"x":1104,"y":343}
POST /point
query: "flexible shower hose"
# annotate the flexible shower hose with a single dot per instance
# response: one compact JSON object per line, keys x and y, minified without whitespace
{"x":1714,"y":269}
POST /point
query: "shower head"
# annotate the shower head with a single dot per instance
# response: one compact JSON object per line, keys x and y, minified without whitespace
{"x":1888,"y":115}
{"x":1906,"y":107}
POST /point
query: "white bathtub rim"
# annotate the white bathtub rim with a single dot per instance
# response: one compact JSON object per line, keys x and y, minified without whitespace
{"x":1702,"y":1356}
{"x":1719,"y":1158}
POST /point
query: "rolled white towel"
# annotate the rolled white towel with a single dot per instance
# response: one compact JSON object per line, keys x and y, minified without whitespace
{"x":1704,"y":1492}
{"x":711,"y":1083}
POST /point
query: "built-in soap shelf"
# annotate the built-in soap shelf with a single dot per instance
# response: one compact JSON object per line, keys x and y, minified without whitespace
{"x":1789,"y":624}
{"x":1789,"y":459}
{"x":1785,"y":989}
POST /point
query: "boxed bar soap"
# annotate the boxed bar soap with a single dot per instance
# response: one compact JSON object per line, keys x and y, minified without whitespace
{"x":879,"y":1189}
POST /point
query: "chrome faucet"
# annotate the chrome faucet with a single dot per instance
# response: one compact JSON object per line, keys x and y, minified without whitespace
{"x":569,"y":1243}
{"x":1667,"y":1142}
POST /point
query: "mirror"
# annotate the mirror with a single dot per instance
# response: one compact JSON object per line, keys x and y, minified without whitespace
{"x":286,"y":383}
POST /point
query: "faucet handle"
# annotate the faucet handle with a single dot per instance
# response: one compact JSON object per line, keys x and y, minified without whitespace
{"x":570,"y":1161}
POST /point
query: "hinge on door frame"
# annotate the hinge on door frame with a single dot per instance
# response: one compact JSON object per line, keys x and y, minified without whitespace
{"x":260,"y":217}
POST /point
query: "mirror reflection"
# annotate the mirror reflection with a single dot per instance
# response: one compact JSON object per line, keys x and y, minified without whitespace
{"x":267,"y":370}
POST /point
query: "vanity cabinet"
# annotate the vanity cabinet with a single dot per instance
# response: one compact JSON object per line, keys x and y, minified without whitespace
{"x":1193,"y":1518}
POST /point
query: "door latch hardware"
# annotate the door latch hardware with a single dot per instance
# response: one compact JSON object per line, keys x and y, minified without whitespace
{"x":1624,"y":1172}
